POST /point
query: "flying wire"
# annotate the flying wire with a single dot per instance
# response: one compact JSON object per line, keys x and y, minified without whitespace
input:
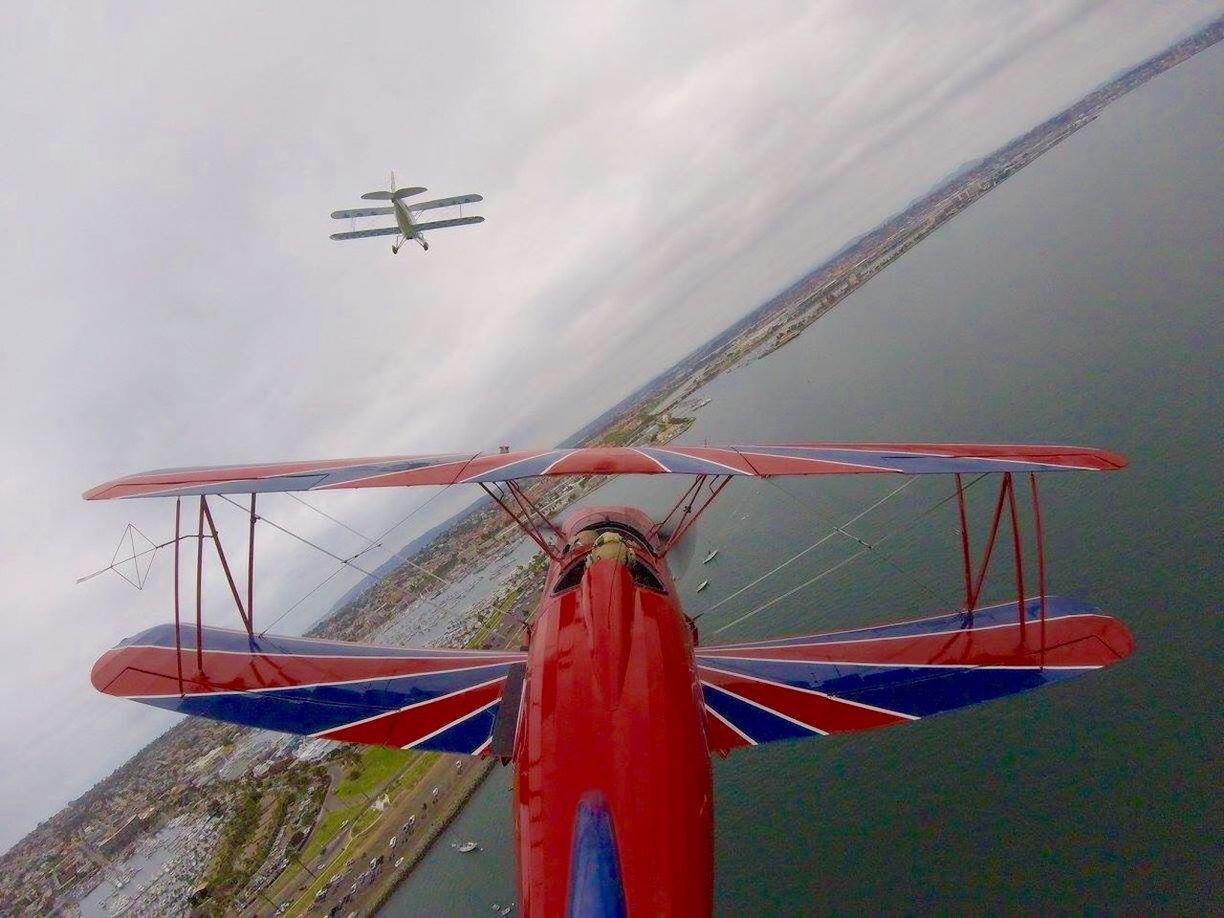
{"x":344,"y":562}
{"x":378,"y":542}
{"x":821,"y":541}
{"x":305,"y":541}
{"x":916,"y":578}
{"x":866,"y":547}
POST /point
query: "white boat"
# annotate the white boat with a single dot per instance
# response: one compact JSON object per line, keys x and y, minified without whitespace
{"x":710,"y":557}
{"x":466,"y":847}
{"x":701,"y":586}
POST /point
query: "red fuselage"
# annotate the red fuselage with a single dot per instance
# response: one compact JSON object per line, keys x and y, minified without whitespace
{"x":613,"y":806}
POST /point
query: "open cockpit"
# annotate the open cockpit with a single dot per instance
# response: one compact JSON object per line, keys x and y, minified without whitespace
{"x":613,"y":541}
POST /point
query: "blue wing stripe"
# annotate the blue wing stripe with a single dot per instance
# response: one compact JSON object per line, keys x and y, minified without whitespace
{"x":318,"y":709}
{"x":465,"y":737}
{"x":760,"y":725}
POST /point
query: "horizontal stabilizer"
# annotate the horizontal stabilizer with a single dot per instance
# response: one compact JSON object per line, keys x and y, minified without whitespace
{"x":437,"y":699}
{"x":407,"y":193}
{"x":362,"y":234}
{"x":418,"y":228}
{"x":761,"y":461}
{"x":447,"y":202}
{"x":363,"y":212}
{"x":874,"y":677}
{"x":376,"y":196}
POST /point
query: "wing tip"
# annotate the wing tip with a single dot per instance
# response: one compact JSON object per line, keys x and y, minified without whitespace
{"x":100,"y":492}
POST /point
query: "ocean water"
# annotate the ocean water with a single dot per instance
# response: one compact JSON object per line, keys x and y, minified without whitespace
{"x":1079,"y":302}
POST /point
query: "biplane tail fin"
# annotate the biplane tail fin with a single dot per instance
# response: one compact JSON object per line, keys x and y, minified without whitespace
{"x":875,"y":677}
{"x":420,"y":698}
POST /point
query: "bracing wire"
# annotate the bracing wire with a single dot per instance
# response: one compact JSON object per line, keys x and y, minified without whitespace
{"x":322,"y":583}
{"x":821,"y":541}
{"x":892,"y":562}
{"x":326,"y":515}
{"x":305,"y":541}
{"x":866,"y":547}
{"x":345,"y":562}
{"x":378,"y":542}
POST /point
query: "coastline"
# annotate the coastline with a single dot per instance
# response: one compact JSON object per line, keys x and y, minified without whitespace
{"x":454,"y":806}
{"x":792,"y":317}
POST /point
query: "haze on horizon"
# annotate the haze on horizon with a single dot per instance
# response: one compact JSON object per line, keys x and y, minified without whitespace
{"x":649,"y":176}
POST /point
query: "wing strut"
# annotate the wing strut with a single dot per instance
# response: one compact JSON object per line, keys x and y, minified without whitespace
{"x":245,"y":612}
{"x":523,"y":518}
{"x":178,"y":640}
{"x":688,"y":515}
{"x":229,"y":577}
{"x":973,"y":585}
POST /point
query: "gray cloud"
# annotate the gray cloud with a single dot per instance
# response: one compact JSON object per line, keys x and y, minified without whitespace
{"x":651,"y":174}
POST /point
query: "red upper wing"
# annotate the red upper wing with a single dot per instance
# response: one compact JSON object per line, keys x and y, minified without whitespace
{"x":761,"y":460}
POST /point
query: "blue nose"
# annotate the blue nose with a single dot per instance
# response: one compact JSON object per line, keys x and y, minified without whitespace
{"x":595,"y":887}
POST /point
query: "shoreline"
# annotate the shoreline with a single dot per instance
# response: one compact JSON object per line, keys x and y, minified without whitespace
{"x":480,"y":773}
{"x":788,"y":321}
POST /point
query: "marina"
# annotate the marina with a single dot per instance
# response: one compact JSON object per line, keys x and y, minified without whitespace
{"x":159,"y":876}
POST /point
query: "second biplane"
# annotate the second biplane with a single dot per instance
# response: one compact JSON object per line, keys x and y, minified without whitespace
{"x":406,"y":225}
{"x":611,"y":713}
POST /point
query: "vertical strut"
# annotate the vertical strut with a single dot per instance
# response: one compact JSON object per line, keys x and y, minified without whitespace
{"x":1041,"y":581}
{"x":990,"y":543}
{"x":528,"y":508}
{"x":690,"y":517}
{"x":964,"y":530}
{"x":178,"y":642}
{"x":229,"y":577}
{"x":200,"y":591}
{"x":525,"y":525}
{"x":686,"y":500}
{"x":251,"y":568}
{"x":1015,"y":525}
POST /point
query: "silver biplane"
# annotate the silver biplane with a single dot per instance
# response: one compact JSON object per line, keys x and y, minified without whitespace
{"x":406,"y":224}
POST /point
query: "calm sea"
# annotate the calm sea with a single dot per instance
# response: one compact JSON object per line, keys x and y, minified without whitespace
{"x":1079,"y":302}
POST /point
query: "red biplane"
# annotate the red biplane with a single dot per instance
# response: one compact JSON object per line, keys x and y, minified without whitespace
{"x":613,"y":710}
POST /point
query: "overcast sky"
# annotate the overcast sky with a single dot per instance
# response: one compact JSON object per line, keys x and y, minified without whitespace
{"x":651,"y":173}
